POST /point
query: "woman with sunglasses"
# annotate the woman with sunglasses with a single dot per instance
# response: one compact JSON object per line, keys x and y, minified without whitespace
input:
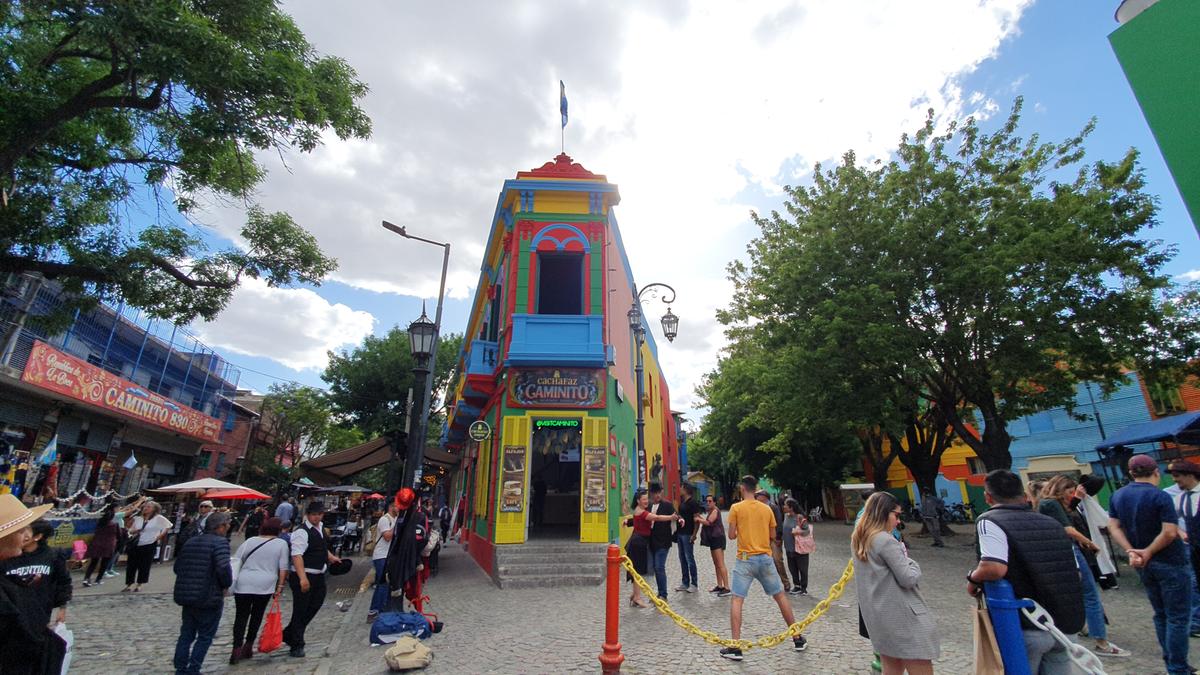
{"x":900,"y":624}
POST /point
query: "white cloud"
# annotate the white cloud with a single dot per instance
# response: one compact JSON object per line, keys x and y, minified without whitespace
{"x":1190,"y":275}
{"x":699,"y":111}
{"x":292,"y":326}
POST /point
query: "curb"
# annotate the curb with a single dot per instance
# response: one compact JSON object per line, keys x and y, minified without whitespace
{"x":335,"y":643}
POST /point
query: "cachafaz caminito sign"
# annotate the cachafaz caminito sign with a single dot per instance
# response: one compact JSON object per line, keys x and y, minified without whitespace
{"x":556,"y":388}
{"x":55,"y":371}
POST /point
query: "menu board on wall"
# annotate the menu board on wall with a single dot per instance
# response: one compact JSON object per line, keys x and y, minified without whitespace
{"x":595,"y":470}
{"x":512,"y":479}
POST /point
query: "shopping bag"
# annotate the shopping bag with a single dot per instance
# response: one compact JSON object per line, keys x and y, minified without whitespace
{"x":272,"y":635}
{"x":987,"y":650}
{"x":68,"y":638}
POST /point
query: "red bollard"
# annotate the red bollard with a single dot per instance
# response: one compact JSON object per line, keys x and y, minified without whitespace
{"x":610,"y":655}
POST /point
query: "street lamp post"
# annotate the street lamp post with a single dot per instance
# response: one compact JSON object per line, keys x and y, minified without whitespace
{"x":422,"y":337}
{"x":418,"y":431}
{"x":670,"y":326}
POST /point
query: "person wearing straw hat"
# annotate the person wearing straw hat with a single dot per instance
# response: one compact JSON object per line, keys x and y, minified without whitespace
{"x":26,"y":645}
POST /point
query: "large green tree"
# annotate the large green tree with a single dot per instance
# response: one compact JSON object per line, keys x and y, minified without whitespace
{"x":369,"y":384}
{"x":174,"y":96}
{"x":984,"y":273}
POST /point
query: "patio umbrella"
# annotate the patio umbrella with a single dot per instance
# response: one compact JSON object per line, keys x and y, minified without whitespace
{"x":243,"y":493}
{"x":374,"y":495}
{"x":201,"y":485}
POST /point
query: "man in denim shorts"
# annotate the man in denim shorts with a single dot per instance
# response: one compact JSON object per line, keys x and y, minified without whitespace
{"x":752,"y":524}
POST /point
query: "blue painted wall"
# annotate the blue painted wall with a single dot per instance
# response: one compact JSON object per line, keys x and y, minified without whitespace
{"x":1054,"y":432}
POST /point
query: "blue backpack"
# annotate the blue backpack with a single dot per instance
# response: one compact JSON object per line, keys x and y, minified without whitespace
{"x":392,"y":624}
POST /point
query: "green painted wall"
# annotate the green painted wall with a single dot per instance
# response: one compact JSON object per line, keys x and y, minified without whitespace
{"x":621,"y":423}
{"x":1158,"y":50}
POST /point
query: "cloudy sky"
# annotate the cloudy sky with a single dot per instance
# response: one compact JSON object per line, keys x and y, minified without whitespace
{"x":699,"y":111}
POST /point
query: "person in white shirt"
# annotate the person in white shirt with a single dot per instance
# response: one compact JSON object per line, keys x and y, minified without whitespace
{"x":1185,"y":495}
{"x":383,"y":540}
{"x":149,"y":527}
{"x":262,"y":563}
{"x":311,"y":557}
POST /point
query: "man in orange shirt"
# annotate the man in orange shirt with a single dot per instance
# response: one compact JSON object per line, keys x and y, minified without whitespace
{"x":752,"y":524}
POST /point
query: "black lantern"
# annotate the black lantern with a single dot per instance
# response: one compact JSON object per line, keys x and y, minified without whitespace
{"x":635,"y":318}
{"x":670,"y":325}
{"x":420,"y":335}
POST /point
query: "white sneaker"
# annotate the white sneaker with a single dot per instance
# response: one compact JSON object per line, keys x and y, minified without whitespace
{"x":1112,"y":650}
{"x":694,"y":589}
{"x":681,"y":588}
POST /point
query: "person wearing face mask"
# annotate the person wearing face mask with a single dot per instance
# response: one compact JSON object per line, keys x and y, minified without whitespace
{"x":27,"y":647}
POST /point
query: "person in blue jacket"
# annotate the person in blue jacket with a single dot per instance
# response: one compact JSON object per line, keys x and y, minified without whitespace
{"x":202,"y":575}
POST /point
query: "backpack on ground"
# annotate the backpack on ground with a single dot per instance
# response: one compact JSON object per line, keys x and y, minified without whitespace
{"x":392,"y":625}
{"x":408,"y":654}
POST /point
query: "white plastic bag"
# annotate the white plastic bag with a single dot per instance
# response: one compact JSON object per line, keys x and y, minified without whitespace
{"x":68,"y":637}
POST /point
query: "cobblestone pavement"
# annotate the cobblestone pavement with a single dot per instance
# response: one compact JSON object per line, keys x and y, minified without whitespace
{"x":136,"y":632}
{"x":560,"y":630}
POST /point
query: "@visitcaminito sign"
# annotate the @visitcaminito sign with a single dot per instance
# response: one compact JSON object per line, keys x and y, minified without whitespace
{"x":479,"y":431}
{"x":557,"y":388}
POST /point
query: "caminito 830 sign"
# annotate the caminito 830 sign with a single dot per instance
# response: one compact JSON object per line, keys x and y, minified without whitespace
{"x":557,"y":388}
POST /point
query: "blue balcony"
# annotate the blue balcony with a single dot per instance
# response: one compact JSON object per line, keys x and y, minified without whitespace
{"x":484,"y":358}
{"x":557,"y":340}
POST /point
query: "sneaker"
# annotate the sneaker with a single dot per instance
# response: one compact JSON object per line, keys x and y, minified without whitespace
{"x":297,"y":652}
{"x":803,"y":591}
{"x":98,"y":581}
{"x":693,"y":589}
{"x":1112,"y":650}
{"x":731,"y":653}
{"x":372,"y":615}
{"x":715,"y":589}
{"x":794,"y":591}
{"x":682,"y":588}
{"x":724,"y":593}
{"x":799,"y":643}
{"x":87,"y":584}
{"x":110,"y":574}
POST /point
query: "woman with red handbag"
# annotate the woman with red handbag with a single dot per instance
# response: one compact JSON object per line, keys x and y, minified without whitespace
{"x":261,"y":565}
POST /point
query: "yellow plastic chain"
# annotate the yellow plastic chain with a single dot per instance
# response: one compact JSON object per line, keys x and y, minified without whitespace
{"x":835,"y":592}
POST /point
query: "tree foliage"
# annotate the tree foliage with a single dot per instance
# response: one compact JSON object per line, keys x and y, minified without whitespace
{"x":369,"y":384}
{"x":977,"y":276}
{"x":105,"y":102}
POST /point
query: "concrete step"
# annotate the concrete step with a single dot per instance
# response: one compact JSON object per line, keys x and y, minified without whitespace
{"x":556,"y":547}
{"x":552,"y":581}
{"x":546,"y":568}
{"x":534,"y":557}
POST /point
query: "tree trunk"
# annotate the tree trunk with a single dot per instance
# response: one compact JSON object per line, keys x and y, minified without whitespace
{"x":992,"y":448}
{"x":881,"y":458}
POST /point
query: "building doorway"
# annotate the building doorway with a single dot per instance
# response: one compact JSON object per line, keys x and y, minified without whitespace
{"x":555,"y":451}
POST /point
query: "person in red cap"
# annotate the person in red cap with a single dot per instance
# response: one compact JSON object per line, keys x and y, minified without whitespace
{"x":1143,"y":522}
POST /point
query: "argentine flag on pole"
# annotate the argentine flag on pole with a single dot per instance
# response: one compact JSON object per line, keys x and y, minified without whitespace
{"x":562,"y":102}
{"x":131,"y":462}
{"x":50,"y":454}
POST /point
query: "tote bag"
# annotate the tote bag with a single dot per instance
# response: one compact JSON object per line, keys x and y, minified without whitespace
{"x":272,"y":635}
{"x":987,"y":651}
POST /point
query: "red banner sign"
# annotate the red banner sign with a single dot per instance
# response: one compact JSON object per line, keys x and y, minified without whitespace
{"x":51,"y":369}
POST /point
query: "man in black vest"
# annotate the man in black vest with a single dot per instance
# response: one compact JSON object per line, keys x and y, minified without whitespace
{"x":660,"y":537}
{"x":1032,"y":552}
{"x":1185,"y":495}
{"x":310,"y":559}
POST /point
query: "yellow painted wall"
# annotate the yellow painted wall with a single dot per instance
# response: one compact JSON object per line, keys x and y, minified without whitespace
{"x":955,"y":456}
{"x":546,"y":201}
{"x":654,"y":414}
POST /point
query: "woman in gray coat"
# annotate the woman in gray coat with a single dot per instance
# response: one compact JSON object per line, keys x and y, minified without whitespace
{"x":900,"y":624}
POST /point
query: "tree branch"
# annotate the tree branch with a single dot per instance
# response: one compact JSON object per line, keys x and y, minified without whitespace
{"x":52,"y":269}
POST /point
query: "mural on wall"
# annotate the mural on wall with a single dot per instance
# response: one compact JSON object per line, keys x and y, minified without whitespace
{"x":655,"y":474}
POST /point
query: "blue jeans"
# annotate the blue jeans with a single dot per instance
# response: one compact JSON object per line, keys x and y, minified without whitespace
{"x":687,"y":559}
{"x":760,"y":567}
{"x":1091,"y":599}
{"x":379,"y":599}
{"x":1169,"y":588}
{"x":199,"y":627}
{"x":1195,"y":627}
{"x":659,"y":555}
